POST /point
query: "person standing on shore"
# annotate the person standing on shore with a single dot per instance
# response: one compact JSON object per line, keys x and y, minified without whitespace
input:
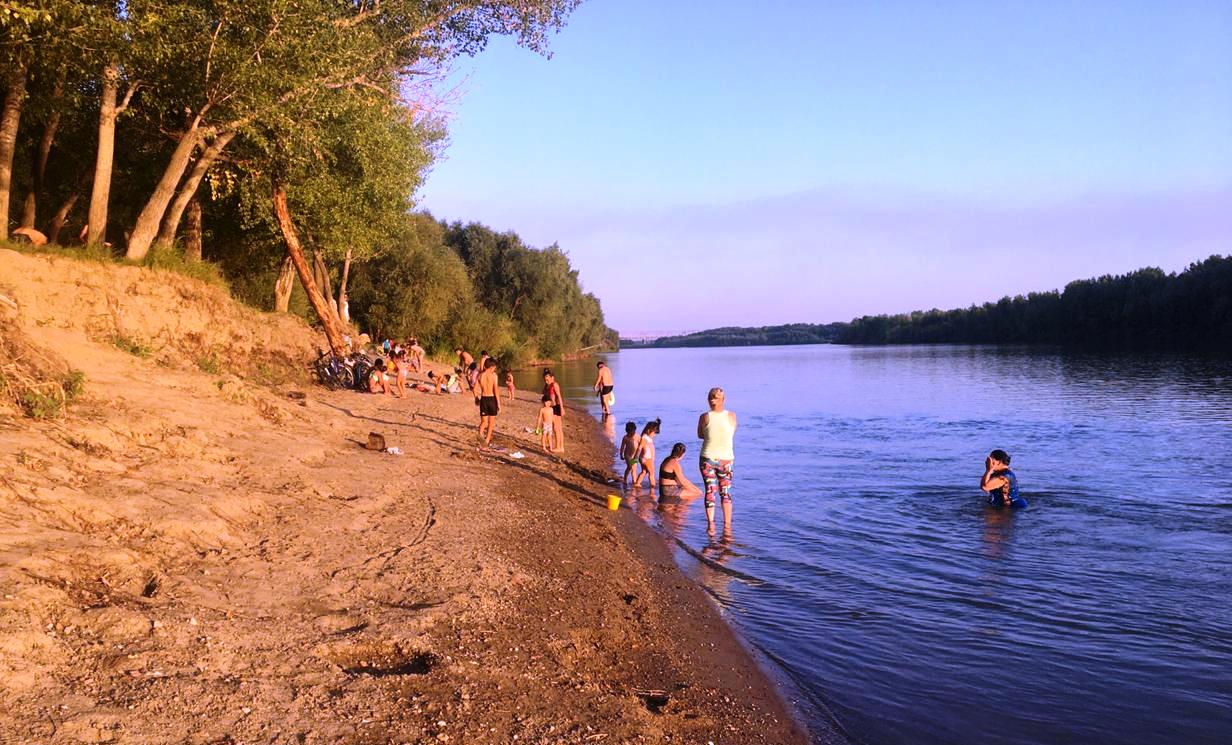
{"x":604,"y":387}
{"x":487,"y":397}
{"x":465,"y":360}
{"x":717,"y":428}
{"x":551,"y":389}
{"x":417,"y":355}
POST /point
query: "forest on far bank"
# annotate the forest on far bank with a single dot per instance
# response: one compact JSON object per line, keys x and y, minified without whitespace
{"x":1144,"y":309}
{"x":277,"y":145}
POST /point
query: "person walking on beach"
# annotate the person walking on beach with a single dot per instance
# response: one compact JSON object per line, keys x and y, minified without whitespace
{"x":628,"y":450}
{"x":551,"y":389}
{"x":716,"y":429}
{"x":510,"y":386}
{"x":604,"y":387}
{"x":487,"y":397}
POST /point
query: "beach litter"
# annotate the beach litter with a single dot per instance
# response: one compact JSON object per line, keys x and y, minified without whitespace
{"x":394,"y":450}
{"x":517,"y":454}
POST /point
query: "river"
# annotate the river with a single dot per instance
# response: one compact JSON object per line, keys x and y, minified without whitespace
{"x":864,"y":563}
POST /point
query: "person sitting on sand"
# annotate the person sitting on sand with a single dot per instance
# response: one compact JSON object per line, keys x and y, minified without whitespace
{"x":603,"y":386}
{"x":646,"y":453}
{"x":509,"y":385}
{"x":543,"y":425}
{"x":999,"y":481}
{"x":487,"y":398}
{"x":628,"y":450}
{"x":673,"y":484}
{"x":378,"y":378}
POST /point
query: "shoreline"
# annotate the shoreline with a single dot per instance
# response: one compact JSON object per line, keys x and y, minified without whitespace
{"x":195,"y":556}
{"x":735,"y":661}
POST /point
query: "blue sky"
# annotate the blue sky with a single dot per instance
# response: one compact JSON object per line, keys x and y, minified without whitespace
{"x":715,"y":163}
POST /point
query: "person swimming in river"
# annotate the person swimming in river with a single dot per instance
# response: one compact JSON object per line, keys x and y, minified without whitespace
{"x":999,"y":481}
{"x":673,"y":484}
{"x":646,"y":454}
{"x":628,"y":451}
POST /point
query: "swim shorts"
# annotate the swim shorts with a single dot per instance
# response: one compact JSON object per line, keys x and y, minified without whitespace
{"x":557,"y":410}
{"x":605,"y":390}
{"x":489,"y":406}
{"x":718,"y":477}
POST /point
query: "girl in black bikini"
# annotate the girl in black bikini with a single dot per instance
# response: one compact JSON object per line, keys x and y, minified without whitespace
{"x":672,"y":481}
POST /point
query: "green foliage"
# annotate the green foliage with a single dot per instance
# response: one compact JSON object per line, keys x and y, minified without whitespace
{"x":453,"y":285}
{"x":132,"y":345}
{"x":210,"y":364}
{"x":171,"y":259}
{"x":74,"y":385}
{"x":1146,"y":308}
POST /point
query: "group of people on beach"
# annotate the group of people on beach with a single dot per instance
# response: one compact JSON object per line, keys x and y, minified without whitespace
{"x":716,"y":428}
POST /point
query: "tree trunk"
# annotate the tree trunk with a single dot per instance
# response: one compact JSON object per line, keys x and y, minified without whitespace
{"x":146,"y":227}
{"x":296,"y":252}
{"x":29,"y":213}
{"x":344,"y":307}
{"x":61,"y":216}
{"x":101,"y":192}
{"x":284,"y":284}
{"x":14,"y":101}
{"x":171,"y":222}
{"x":192,"y":231}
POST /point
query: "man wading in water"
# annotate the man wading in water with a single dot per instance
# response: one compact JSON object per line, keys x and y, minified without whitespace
{"x":717,"y":428}
{"x":487,"y":396}
{"x":604,"y":387}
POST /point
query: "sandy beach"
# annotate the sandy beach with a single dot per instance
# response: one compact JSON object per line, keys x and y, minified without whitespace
{"x":208,"y":557}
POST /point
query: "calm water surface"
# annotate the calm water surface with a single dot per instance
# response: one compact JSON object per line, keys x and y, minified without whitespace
{"x":865,"y":564}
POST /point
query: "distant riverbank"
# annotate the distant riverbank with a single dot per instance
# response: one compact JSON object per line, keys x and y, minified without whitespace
{"x":1145,"y":309}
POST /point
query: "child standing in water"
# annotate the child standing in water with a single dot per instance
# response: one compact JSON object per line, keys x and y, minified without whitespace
{"x":646,"y":453}
{"x":509,"y":385}
{"x":543,"y":425}
{"x":999,"y":481}
{"x":628,"y":450}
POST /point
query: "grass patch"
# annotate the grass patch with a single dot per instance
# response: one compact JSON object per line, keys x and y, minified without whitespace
{"x":172,"y":259}
{"x":211,"y":364}
{"x":169,"y":259}
{"x":132,"y":345}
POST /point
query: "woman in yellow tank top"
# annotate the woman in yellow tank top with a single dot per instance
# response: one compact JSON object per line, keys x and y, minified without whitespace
{"x":717,"y":429}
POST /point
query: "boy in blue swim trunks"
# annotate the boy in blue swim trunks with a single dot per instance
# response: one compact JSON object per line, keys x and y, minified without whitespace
{"x":1000,"y":482}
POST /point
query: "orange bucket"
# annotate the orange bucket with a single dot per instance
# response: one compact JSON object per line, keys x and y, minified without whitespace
{"x":613,"y":502}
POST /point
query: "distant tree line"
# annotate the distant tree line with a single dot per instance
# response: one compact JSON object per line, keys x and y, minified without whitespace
{"x":733,"y":336}
{"x":284,"y":141}
{"x":1146,"y":308}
